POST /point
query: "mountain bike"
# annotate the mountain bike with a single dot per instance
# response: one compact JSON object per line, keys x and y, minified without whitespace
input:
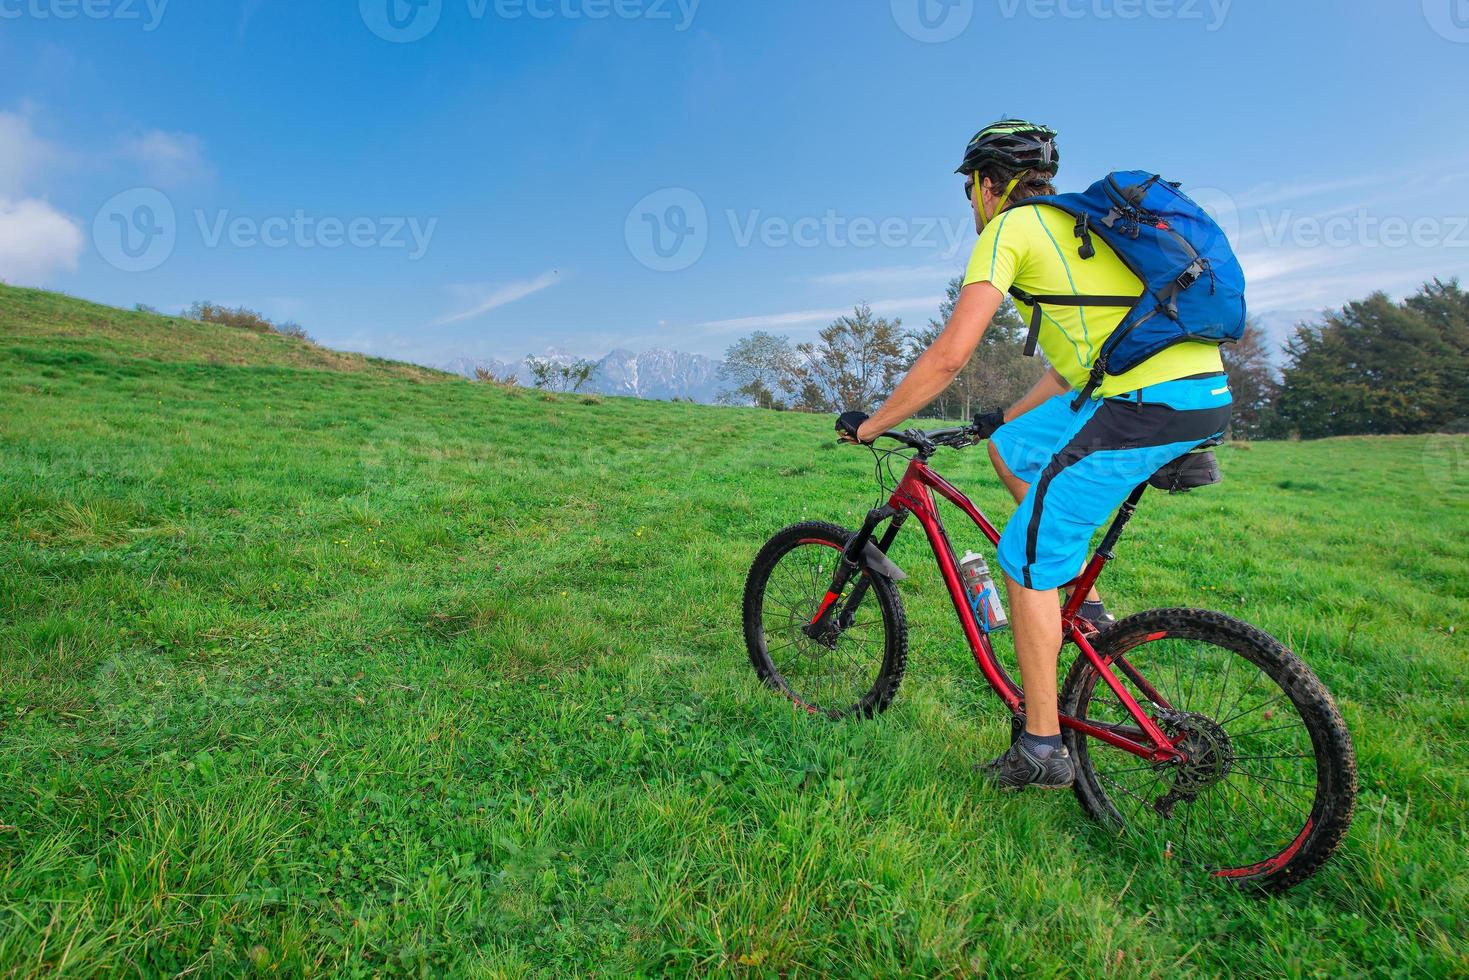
{"x":1190,"y":730}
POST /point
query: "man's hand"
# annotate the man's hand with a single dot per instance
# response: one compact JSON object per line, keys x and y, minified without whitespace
{"x":848,"y":423}
{"x":985,"y":424}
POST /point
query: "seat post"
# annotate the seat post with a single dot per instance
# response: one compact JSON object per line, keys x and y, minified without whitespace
{"x":1124,"y":514}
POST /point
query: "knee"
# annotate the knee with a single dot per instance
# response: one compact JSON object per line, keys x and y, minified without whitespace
{"x":995,"y":460}
{"x":998,"y":462}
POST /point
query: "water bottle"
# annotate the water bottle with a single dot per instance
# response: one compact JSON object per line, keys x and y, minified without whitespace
{"x":984,"y":598}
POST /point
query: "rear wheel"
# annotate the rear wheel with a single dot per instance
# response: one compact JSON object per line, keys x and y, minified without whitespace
{"x":1266,"y":793}
{"x":848,"y":670}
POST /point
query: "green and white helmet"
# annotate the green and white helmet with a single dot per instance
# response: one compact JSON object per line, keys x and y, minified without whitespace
{"x":1013,"y":145}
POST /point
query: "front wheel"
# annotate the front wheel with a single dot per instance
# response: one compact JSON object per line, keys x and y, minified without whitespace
{"x":853,"y":667}
{"x":1266,"y":792}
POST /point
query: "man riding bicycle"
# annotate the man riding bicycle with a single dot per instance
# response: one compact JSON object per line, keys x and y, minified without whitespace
{"x":1068,"y":461}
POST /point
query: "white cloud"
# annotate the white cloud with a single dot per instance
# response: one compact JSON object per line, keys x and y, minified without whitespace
{"x":482,"y":298}
{"x":169,"y":158}
{"x":22,"y":152}
{"x":1265,"y":195}
{"x":1271,"y":264}
{"x":800,"y":317}
{"x":36,"y":241}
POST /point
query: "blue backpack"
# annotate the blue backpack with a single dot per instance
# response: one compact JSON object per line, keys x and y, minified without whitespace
{"x":1194,"y":288}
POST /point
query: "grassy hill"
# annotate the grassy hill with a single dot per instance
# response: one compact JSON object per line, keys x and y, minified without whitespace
{"x":316,"y":663}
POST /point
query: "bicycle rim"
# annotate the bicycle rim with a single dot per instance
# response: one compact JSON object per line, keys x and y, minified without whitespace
{"x":1252,"y":790}
{"x":836,"y":675}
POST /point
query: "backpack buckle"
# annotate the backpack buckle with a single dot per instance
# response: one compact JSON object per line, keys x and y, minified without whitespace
{"x":1190,"y":275}
{"x":1087,"y":250}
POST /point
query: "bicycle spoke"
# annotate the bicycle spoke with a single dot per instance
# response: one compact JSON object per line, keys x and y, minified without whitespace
{"x":833,"y":676}
{"x":1224,"y":687}
{"x":1251,"y":711}
{"x":1239,"y":793}
{"x":1271,"y":779}
{"x":1266,"y":731}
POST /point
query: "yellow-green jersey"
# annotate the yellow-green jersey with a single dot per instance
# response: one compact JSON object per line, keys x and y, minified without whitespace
{"x":1034,"y":249}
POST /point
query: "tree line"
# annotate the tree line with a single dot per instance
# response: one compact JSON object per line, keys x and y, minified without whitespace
{"x":1373,"y":367}
{"x":857,"y":360}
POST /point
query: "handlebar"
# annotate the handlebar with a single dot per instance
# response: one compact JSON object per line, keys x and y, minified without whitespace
{"x":928,"y":442}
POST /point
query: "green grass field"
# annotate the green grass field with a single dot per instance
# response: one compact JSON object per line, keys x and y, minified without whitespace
{"x":316,"y":664}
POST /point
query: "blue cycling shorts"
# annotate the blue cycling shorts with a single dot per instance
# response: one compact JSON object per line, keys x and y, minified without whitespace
{"x":1081,"y":465}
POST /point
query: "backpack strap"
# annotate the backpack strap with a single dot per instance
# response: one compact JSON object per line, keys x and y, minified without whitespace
{"x":1099,"y":365}
{"x":1034,"y":302}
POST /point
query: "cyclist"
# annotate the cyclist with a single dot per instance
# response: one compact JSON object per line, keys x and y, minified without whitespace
{"x":1068,"y":468}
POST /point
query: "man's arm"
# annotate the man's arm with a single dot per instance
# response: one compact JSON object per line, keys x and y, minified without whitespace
{"x":941,"y":363}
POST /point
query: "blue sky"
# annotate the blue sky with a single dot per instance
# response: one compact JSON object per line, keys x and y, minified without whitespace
{"x":486,"y":177}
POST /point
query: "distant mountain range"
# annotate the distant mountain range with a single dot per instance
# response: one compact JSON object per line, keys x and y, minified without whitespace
{"x":666,"y":374}
{"x":657,"y":374}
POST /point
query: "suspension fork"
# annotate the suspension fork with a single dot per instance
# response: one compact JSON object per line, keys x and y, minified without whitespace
{"x":848,"y":615}
{"x":852,"y":559}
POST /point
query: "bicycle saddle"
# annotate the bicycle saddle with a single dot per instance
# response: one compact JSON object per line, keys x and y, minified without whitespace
{"x":1188,"y":472}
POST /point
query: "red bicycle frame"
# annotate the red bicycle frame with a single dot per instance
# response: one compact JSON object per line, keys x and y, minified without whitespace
{"x":914,"y":495}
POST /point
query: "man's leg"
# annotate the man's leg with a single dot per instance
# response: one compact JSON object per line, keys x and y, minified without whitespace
{"x":1035,"y":617}
{"x":1018,"y":489}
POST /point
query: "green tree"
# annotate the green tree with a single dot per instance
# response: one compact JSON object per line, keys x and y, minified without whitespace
{"x":1252,"y":379}
{"x":759,"y":366}
{"x":555,"y":376}
{"x":998,"y":373}
{"x":1446,"y":308}
{"x":1379,"y":367}
{"x":854,"y":363}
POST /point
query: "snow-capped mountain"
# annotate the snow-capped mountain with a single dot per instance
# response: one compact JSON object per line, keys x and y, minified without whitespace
{"x":657,"y":373}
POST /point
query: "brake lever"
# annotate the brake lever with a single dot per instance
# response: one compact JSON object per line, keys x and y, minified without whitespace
{"x":920,"y":438}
